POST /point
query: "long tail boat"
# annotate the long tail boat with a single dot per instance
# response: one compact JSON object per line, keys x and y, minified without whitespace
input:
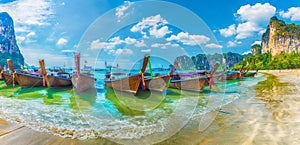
{"x":82,"y":81}
{"x":10,"y":78}
{"x":59,"y":79}
{"x":249,"y":74}
{"x":132,"y":84}
{"x":26,"y":78}
{"x":128,"y":84}
{"x":230,"y":75}
{"x":196,"y":84}
{"x":159,"y":83}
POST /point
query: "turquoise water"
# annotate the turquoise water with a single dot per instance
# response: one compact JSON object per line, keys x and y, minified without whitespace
{"x":102,"y":112}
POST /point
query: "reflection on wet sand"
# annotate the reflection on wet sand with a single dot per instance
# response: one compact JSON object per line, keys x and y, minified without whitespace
{"x":255,"y":118}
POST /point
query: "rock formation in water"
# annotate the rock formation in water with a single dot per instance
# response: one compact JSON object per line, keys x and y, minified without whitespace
{"x":280,"y":37}
{"x":8,"y":44}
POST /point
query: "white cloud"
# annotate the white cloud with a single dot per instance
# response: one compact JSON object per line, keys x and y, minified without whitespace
{"x":115,"y":41}
{"x":293,"y":13}
{"x":123,"y":51}
{"x":213,"y":45}
{"x":30,"y":34}
{"x":256,"y":42}
{"x":20,"y":39}
{"x":96,"y":44}
{"x":120,"y":11}
{"x":61,"y":42}
{"x":140,"y":43}
{"x":247,"y":52}
{"x":247,"y":29}
{"x":146,"y":50}
{"x":129,"y":40}
{"x":227,"y":32}
{"x":159,"y":33}
{"x":28,"y":12}
{"x":164,"y":46}
{"x":233,"y":43}
{"x":187,"y":39}
{"x":68,"y":51}
{"x":253,"y":19}
{"x":155,"y":24}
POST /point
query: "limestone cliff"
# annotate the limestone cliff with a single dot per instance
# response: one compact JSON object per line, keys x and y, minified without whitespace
{"x":280,"y":37}
{"x":8,"y":45}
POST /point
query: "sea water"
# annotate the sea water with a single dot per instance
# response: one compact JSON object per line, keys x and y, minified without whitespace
{"x":115,"y":115}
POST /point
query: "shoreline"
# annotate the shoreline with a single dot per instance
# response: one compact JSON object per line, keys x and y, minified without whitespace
{"x":247,"y":121}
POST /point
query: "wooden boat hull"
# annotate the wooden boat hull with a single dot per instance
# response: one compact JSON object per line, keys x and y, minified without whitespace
{"x":232,"y":76}
{"x":192,"y":84}
{"x":128,"y":84}
{"x":53,"y":81}
{"x":26,"y":80}
{"x":9,"y":79}
{"x":156,"y":84}
{"x":85,"y":82}
{"x":249,"y":74}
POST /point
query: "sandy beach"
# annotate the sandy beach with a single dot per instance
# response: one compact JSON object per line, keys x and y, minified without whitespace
{"x":271,"y":116}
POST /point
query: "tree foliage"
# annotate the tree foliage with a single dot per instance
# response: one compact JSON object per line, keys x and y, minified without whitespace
{"x":267,"y":61}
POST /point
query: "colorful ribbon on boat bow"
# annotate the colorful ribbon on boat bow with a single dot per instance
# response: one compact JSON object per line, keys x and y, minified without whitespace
{"x":210,"y":81}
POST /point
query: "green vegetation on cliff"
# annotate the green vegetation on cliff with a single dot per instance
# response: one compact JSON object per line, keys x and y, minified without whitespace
{"x":267,"y":61}
{"x":282,"y":29}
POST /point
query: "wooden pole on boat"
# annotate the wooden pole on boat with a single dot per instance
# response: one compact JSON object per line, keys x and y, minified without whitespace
{"x":240,"y":72}
{"x":77,"y":62}
{"x":11,"y":66}
{"x":44,"y":72}
{"x":145,"y":62}
{"x":171,"y":73}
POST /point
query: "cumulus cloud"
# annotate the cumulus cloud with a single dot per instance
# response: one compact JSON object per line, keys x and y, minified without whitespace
{"x":155,"y":24}
{"x":30,"y":34}
{"x":293,"y":13}
{"x":61,"y":42}
{"x":140,"y":44}
{"x":146,"y":50}
{"x":187,"y":39}
{"x":227,"y":32}
{"x":213,"y":45}
{"x":233,"y":43}
{"x":123,"y":51}
{"x":28,"y":13}
{"x":247,"y":52}
{"x":164,"y":45}
{"x":68,"y":51}
{"x":120,"y":11}
{"x":252,"y":20}
{"x":256,"y":42}
{"x":115,"y":41}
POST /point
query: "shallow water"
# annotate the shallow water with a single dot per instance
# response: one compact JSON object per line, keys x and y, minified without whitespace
{"x":117,"y":116}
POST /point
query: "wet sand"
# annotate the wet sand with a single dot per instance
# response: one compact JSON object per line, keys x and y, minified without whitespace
{"x":270,"y":116}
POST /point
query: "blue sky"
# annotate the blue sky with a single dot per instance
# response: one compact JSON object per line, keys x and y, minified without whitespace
{"x":123,"y":31}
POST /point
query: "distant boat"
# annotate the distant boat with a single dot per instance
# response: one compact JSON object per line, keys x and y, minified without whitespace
{"x":249,"y":74}
{"x":55,"y":78}
{"x":195,"y":84}
{"x":82,"y":81}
